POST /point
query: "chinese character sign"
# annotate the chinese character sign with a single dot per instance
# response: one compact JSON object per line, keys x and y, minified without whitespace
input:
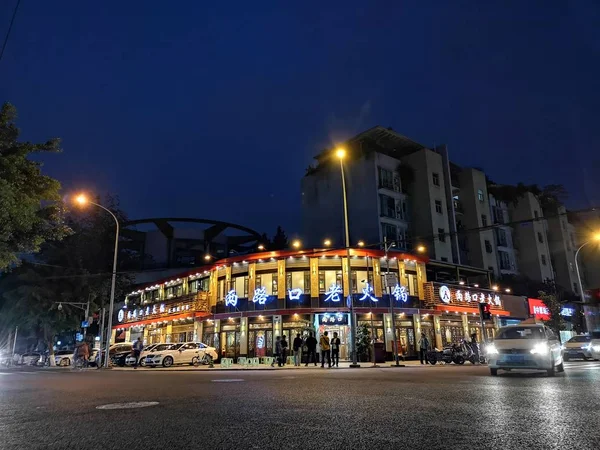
{"x":451,"y":295}
{"x":368,"y":293}
{"x":400,"y":293}
{"x":231,"y":298}
{"x":260,"y":296}
{"x":295,"y":293}
{"x":333,"y":293}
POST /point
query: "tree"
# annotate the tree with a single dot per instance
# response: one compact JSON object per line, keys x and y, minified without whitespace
{"x":76,"y":269}
{"x":31,"y":211}
{"x":280,"y":240}
{"x":363,"y":342}
{"x":552,"y":302}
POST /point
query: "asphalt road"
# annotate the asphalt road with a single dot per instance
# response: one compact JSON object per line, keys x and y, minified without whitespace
{"x":412,"y":407}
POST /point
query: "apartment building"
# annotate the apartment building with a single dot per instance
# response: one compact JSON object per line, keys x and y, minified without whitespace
{"x":395,"y":190}
{"x":404,"y":192}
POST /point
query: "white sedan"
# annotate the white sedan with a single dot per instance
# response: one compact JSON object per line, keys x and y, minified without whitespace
{"x":525,"y":346}
{"x":579,"y":346}
{"x":130,"y":360}
{"x":63,"y":357}
{"x":184,"y":353}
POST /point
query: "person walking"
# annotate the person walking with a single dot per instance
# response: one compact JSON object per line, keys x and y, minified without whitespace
{"x":335,"y":349}
{"x":475,"y":347}
{"x":311,"y":348}
{"x":325,"y":350}
{"x":138,"y":346}
{"x":297,"y":346}
{"x":284,"y":347}
{"x":423,"y":347}
{"x":277,"y":354}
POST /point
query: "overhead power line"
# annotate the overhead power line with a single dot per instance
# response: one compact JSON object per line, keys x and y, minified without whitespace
{"x":12,"y":21}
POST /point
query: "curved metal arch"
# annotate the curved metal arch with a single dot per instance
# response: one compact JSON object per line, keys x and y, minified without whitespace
{"x":217,"y":223}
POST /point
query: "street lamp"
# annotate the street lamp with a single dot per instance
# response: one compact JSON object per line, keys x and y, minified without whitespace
{"x":261,"y":247}
{"x":341,"y":154}
{"x":82,"y":200}
{"x":296,"y":244}
{"x":207,"y":257}
{"x":326,"y":242}
{"x":421,"y":249}
{"x":361,"y":243}
{"x":595,"y":238}
{"x":83,"y":306}
{"x":387,"y":247}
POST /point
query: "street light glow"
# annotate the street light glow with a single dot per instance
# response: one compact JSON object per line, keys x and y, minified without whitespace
{"x":207,"y":257}
{"x":340,"y":153}
{"x":421,"y":249}
{"x":81,"y":199}
{"x":596,"y":237}
{"x":261,"y":247}
{"x":507,"y":290}
{"x":296,"y":244}
{"x":361,"y":244}
{"x":495,"y":288}
{"x":326,"y":242}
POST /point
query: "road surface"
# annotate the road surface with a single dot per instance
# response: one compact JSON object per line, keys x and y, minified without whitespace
{"x":412,"y":407}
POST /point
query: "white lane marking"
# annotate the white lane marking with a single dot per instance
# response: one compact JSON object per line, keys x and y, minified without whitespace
{"x":227,"y":380}
{"x":128,"y":405}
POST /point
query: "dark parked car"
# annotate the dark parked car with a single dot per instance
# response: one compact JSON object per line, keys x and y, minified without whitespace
{"x":118,"y":353}
{"x":30,"y":359}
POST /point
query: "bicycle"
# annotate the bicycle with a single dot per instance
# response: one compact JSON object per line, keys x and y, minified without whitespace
{"x":80,"y":363}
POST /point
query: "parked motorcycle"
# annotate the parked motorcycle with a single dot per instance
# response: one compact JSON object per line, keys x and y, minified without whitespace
{"x":450,"y":354}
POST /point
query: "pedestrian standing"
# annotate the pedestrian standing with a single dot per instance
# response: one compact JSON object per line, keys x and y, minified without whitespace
{"x":297,"y":350}
{"x":277,"y":352}
{"x":475,"y":347}
{"x":138,"y":346}
{"x":423,"y":347}
{"x":311,"y":348}
{"x":325,"y":350}
{"x":335,"y":349}
{"x":284,"y":347}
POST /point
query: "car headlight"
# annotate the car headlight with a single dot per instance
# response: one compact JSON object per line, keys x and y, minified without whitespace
{"x":540,"y":349}
{"x":563,"y":347}
{"x":596,"y":348}
{"x":491,"y":349}
{"x":587,"y":346}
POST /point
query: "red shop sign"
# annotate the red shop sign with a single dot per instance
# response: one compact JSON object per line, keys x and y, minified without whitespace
{"x":538,"y":309}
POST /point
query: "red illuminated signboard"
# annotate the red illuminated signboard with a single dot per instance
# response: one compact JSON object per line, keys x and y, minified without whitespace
{"x":538,"y":309}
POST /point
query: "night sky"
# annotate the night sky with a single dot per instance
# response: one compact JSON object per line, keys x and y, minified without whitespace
{"x":184,"y":109}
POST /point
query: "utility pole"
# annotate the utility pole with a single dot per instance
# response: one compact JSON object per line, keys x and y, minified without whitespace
{"x":391,"y":300}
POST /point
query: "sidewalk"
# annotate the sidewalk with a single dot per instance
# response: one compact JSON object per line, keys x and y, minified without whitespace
{"x":237,"y":367}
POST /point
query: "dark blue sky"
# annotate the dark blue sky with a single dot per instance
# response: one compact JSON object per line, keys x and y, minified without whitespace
{"x":215,"y":111}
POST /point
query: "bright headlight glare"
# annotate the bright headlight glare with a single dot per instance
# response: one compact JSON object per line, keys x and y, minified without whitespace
{"x":596,"y":348}
{"x":540,"y":349}
{"x":491,"y":349}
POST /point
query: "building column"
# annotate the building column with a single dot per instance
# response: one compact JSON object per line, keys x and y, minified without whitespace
{"x":346,"y":276}
{"x":185,"y":286}
{"x":389,"y":333}
{"x":438,"y":332}
{"x":227,"y":279}
{"x":198,"y":327}
{"x":214,"y":288}
{"x":217,"y":339}
{"x":281,"y":280}
{"x":421,"y":279}
{"x":377,"y":288}
{"x":113,"y":336}
{"x":252,"y":280}
{"x":128,"y":335}
{"x":465,"y":324}
{"x":243,"y":336}
{"x":169,"y":330}
{"x":277,"y":328}
{"x":401,"y":273}
{"x":145,"y":338}
{"x":417,"y":326}
{"x":314,"y":277}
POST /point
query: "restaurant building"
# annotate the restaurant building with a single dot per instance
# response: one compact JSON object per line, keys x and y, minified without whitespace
{"x":239,"y":305}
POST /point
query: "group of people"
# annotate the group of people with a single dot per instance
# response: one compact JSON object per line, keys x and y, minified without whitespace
{"x":330,"y":349}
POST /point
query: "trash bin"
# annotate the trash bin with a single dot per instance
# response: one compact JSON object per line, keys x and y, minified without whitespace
{"x":379,"y":352}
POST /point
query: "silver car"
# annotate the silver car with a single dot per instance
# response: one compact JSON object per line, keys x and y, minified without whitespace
{"x":579,"y":346}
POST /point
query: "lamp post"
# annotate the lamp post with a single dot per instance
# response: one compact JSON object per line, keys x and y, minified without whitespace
{"x":83,"y":200}
{"x":387,"y":247}
{"x":596,"y":238}
{"x":83,"y":306}
{"x":341,"y":153}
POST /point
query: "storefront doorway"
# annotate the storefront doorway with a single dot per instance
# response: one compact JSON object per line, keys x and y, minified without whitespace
{"x":342,"y":331}
{"x":260,"y":343}
{"x":452,"y":333}
{"x":230,"y":344}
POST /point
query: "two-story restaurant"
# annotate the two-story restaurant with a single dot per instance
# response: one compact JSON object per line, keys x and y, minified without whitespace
{"x":240,"y":304}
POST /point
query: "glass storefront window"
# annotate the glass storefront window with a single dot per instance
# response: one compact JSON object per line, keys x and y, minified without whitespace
{"x":269,"y":281}
{"x":193,"y":286}
{"x":299,"y":280}
{"x":174,"y":291}
{"x":329,"y":277}
{"x":359,"y":278}
{"x":151,"y":296}
{"x":240,"y":285}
